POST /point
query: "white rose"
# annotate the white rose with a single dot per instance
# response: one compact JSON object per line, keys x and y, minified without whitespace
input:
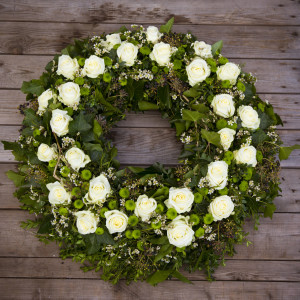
{"x":116,"y":221}
{"x":226,"y":137}
{"x":145,"y":207}
{"x":77,"y":158}
{"x":153,"y":34}
{"x":86,"y":221}
{"x":111,"y":40}
{"x":98,"y":191}
{"x":229,"y":71}
{"x":217,"y":174}
{"x":44,"y":98}
{"x":58,"y":194}
{"x":246,"y":155}
{"x":197,"y":71}
{"x":60,"y":122}
{"x":69,"y":93}
{"x":127,"y":53}
{"x":179,"y":233}
{"x":223,"y":105}
{"x":249,"y":117}
{"x":45,"y":153}
{"x":181,"y":199}
{"x":202,"y":49}
{"x":67,"y":66}
{"x":93,"y":66}
{"x":221,"y":207}
{"x":161,"y":53}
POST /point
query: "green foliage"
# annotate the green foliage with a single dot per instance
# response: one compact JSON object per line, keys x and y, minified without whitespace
{"x":284,"y":152}
{"x":211,"y":137}
{"x":17,"y":179}
{"x":167,"y":27}
{"x":95,"y":241}
{"x":144,"y":105}
{"x":216,"y":48}
{"x":190,"y":115}
{"x":33,"y":86}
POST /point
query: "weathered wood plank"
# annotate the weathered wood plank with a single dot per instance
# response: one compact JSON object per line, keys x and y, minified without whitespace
{"x":277,"y":239}
{"x":287,"y":106}
{"x":215,"y":12}
{"x":149,"y":145}
{"x":241,"y":270}
{"x":239,"y":41}
{"x":22,"y":289}
{"x":289,"y":202}
{"x":280,"y":76}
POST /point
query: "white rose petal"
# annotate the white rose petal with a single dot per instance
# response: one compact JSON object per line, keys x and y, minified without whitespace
{"x":77,"y":158}
{"x":217,"y":174}
{"x":229,"y":71}
{"x":60,"y":122}
{"x":180,"y":199}
{"x":202,"y":49}
{"x":69,"y":93}
{"x":44,"y":98}
{"x":246,"y":155}
{"x":67,"y":66}
{"x":249,"y":117}
{"x":58,"y":194}
{"x":197,"y":71}
{"x":223,"y":105}
{"x":153,"y":34}
{"x":127,"y":53}
{"x":45,"y":153}
{"x":86,"y":221}
{"x":111,"y":41}
{"x":161,"y":53}
{"x":99,"y":189}
{"x":116,"y":221}
{"x":145,"y":207}
{"x":221,"y":207}
{"x":226,"y":137}
{"x":93,"y":66}
{"x":179,"y":233}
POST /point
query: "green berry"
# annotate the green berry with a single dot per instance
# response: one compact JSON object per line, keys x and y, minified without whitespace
{"x":136,"y":234}
{"x":130,"y":205}
{"x":159,"y":209}
{"x":223,"y":191}
{"x":133,"y":220}
{"x":81,"y":61}
{"x":194,"y":219}
{"x":156,"y":225}
{"x":259,"y":156}
{"x":99,"y":231}
{"x":199,"y":232}
{"x":103,"y":211}
{"x":63,"y":211}
{"x":112,"y":204}
{"x":128,"y":234}
{"x":86,"y":174}
{"x":203,"y":191}
{"x":208,"y":219}
{"x":198,"y":198}
{"x":243,"y":186}
{"x":248,"y":174}
{"x":52,"y":163}
{"x":124,"y":193}
{"x":107,"y":77}
{"x":222,"y":123}
{"x":64,"y":171}
{"x":171,"y":213}
{"x":78,"y":204}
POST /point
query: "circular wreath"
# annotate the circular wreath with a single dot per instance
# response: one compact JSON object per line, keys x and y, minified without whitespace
{"x":145,"y":223}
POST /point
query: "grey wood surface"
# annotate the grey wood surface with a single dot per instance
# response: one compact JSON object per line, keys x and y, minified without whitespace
{"x":262,"y":34}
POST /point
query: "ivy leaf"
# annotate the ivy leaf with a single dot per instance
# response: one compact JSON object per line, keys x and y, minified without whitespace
{"x":192,"y":93}
{"x":97,"y":129}
{"x":17,"y":179}
{"x":190,"y":115}
{"x":181,"y":277}
{"x":164,"y":96}
{"x":33,"y":86}
{"x":269,"y":210}
{"x":145,"y":105}
{"x":18,"y":152}
{"x":284,"y":152}
{"x":259,"y":137}
{"x":167,"y":27}
{"x":79,"y":124}
{"x":94,"y":241}
{"x":202,"y":108}
{"x":180,"y":128}
{"x":211,"y":136}
{"x":164,"y":250}
{"x":31,"y":118}
{"x":158,"y":276}
{"x":217,"y":47}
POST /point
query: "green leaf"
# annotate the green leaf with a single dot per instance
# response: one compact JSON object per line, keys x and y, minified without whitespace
{"x":181,"y":277}
{"x":164,"y":250}
{"x":202,"y":108}
{"x":136,"y":170}
{"x":94,"y":241}
{"x":79,"y":124}
{"x":164,"y":96}
{"x":17,"y":179}
{"x":259,"y":137}
{"x":158,"y":276}
{"x":190,"y":115}
{"x":18,"y":152}
{"x":45,"y":225}
{"x":167,"y":27}
{"x":211,"y":136}
{"x":269,"y":210}
{"x":33,"y":86}
{"x":192,"y":93}
{"x":159,"y":241}
{"x":31,"y":118}
{"x":180,"y":128}
{"x":284,"y":152}
{"x":97,"y":129}
{"x":216,"y":48}
{"x":145,"y":105}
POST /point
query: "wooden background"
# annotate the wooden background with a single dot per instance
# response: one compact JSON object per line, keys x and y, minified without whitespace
{"x":263,"y":34}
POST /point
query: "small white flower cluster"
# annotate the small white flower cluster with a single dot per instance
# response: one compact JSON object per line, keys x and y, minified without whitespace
{"x":152,"y":182}
{"x":186,"y":139}
{"x":66,"y":141}
{"x":272,"y":134}
{"x":202,"y":182}
{"x":241,"y":133}
{"x":248,"y":142}
{"x":143,"y":74}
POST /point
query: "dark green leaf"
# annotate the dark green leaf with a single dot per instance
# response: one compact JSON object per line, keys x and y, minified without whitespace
{"x":259,"y":137}
{"x":192,"y":93}
{"x":216,"y":48}
{"x":164,"y":250}
{"x":79,"y":124}
{"x":97,"y":129}
{"x":167,"y":27}
{"x":144,"y":105}
{"x":160,"y":241}
{"x":211,"y":136}
{"x":284,"y":152}
{"x":181,"y":277}
{"x":202,"y":108}
{"x":164,"y":96}
{"x":269,"y":210}
{"x":158,"y":277}
{"x":34,"y":87}
{"x":190,"y":115}
{"x":18,"y":152}
{"x":94,"y":241}
{"x":45,"y":225}
{"x":17,"y":179}
{"x":180,"y":128}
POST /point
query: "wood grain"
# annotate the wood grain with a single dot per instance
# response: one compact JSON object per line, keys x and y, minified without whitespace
{"x":280,"y":76}
{"x":274,"y":12}
{"x":239,"y":41}
{"x":277,"y":239}
{"x":23,"y":289}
